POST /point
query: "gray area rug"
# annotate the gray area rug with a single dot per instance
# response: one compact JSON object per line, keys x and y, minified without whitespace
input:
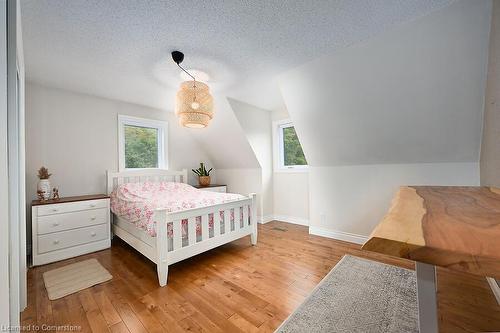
{"x":359,"y":295}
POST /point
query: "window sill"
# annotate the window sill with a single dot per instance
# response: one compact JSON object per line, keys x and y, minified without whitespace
{"x":292,"y":170}
{"x":139,"y":169}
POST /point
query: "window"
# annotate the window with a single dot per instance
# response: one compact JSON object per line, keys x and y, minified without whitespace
{"x":142,"y":143}
{"x":289,"y":155}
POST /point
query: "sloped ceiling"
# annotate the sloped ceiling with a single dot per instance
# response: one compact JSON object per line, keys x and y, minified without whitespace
{"x":413,"y":94}
{"x":256,"y":124}
{"x":224,"y":140}
{"x":120,"y":49}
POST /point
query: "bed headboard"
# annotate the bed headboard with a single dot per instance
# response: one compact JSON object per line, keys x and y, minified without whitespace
{"x":113,"y":179}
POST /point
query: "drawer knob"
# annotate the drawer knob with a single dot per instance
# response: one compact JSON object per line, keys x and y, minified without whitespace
{"x":93,"y":218}
{"x":55,"y":242}
{"x":92,"y":205}
{"x":93,"y":234}
{"x":54,"y":209}
{"x":55,"y":224}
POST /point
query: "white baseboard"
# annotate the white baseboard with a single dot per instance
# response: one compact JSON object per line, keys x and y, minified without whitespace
{"x":265,"y":219}
{"x":340,"y":235}
{"x":283,"y":218}
{"x":291,"y":219}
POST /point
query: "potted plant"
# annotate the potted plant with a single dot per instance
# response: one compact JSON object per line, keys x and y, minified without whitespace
{"x":44,"y":184}
{"x":203,"y":175}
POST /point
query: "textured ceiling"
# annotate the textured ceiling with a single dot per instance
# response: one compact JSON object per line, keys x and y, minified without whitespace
{"x":120,"y":49}
{"x":410,"y":95}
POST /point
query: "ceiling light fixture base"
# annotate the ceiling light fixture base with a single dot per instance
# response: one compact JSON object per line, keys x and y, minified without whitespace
{"x":177,"y":56}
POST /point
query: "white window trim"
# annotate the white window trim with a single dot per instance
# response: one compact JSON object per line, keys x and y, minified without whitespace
{"x":278,"y":148}
{"x":161,"y":126}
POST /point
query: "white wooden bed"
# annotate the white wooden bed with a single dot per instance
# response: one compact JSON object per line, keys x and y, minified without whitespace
{"x":156,"y":248}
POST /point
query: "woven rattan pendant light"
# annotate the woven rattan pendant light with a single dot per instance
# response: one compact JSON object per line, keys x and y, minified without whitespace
{"x":194,"y":104}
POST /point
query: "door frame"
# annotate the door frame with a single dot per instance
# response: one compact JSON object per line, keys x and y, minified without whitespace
{"x":16,"y":165}
{"x":4,"y":172}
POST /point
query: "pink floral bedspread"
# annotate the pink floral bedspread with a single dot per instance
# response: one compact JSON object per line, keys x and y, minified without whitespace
{"x":136,"y":202}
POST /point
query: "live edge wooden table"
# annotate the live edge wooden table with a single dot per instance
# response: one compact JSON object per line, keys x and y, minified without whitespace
{"x":450,"y":226}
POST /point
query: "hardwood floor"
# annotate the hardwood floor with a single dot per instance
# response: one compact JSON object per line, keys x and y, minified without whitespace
{"x":234,"y":288}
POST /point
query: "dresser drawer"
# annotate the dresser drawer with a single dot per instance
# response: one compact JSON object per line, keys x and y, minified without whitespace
{"x":67,"y":221}
{"x":65,"y":239}
{"x":71,"y":207}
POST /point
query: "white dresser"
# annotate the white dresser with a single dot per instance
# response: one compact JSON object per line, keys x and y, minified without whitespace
{"x":213,"y":188}
{"x":69,"y":227}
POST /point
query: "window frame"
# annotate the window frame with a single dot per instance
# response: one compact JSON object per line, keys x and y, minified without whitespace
{"x":279,"y":149}
{"x":161,"y":126}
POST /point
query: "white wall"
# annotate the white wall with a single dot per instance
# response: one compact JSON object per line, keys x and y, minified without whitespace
{"x":243,"y":181}
{"x":4,"y":200}
{"x":490,"y":149}
{"x":291,"y":197}
{"x":256,"y":124}
{"x":353,"y":199}
{"x":290,"y":189}
{"x":75,"y":136}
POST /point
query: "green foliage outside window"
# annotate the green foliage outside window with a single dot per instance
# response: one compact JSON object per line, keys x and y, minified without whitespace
{"x":141,"y":147}
{"x":292,"y":148}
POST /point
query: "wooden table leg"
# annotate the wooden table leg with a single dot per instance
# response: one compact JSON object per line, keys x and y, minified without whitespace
{"x":495,"y":287}
{"x":426,"y":296}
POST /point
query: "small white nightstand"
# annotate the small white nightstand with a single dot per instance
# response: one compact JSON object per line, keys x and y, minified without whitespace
{"x":69,"y":227}
{"x":212,"y":188}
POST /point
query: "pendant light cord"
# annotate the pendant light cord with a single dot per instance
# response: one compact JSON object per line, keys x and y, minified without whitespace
{"x":194,"y":81}
{"x":178,"y":57}
{"x":185,"y":71}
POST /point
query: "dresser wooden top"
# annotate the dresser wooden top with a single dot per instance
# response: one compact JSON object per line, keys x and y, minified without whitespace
{"x":70,"y":199}
{"x":455,"y":227}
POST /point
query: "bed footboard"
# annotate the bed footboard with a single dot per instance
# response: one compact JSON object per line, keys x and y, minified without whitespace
{"x":183,"y":234}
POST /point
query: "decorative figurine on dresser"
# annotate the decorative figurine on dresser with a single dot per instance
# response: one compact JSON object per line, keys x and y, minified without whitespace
{"x":55,"y":193}
{"x":70,"y":226}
